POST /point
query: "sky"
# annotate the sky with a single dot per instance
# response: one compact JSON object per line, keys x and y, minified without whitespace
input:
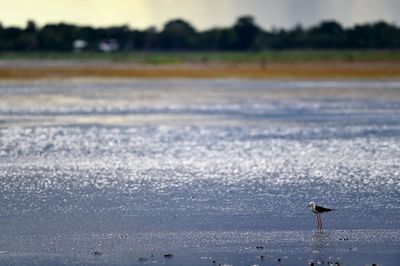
{"x":202,"y":14}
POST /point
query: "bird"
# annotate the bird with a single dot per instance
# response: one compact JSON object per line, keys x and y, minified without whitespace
{"x":318,"y":210}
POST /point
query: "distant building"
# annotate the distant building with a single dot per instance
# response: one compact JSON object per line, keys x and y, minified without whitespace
{"x":110,"y":45}
{"x":79,"y":45}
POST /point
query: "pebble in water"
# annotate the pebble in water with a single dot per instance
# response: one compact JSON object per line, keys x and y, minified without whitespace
{"x":97,"y":253}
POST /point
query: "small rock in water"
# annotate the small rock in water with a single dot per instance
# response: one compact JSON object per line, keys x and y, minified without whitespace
{"x":279,"y":260}
{"x":141,"y":259}
{"x":97,"y":253}
{"x":169,"y":255}
{"x":259,"y":247}
{"x":262,"y":257}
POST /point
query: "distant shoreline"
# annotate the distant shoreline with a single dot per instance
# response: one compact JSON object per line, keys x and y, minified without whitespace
{"x":285,"y":64}
{"x":45,"y":69}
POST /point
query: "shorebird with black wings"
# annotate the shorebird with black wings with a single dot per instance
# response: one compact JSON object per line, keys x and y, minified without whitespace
{"x":318,"y":210}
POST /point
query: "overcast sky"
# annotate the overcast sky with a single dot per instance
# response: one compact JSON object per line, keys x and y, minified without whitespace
{"x":202,"y":14}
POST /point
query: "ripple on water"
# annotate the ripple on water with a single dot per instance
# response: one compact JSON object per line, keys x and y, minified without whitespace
{"x":272,"y":147}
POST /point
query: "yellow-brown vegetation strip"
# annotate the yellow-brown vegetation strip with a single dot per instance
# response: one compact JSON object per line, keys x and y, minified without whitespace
{"x":313,"y":70}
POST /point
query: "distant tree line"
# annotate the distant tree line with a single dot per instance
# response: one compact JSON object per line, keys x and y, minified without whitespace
{"x":176,"y":35}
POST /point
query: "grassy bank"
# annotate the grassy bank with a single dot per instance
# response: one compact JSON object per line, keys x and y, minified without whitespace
{"x":201,"y":57}
{"x":263,"y":65}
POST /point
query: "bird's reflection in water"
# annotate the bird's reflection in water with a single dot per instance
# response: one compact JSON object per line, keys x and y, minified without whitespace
{"x":319,"y":243}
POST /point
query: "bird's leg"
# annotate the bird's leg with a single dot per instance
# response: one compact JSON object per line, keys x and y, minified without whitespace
{"x":320,"y":219}
{"x":319,"y":222}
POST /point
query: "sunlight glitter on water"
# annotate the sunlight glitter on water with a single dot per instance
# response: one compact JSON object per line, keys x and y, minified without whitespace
{"x":214,"y":155}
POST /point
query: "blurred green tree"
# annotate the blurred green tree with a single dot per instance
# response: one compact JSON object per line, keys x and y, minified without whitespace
{"x":246,"y":31}
{"x":178,"y":35}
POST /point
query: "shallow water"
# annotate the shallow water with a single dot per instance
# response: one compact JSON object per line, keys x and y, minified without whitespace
{"x":204,"y":169}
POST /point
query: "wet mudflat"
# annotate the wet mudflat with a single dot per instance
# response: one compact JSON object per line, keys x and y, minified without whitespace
{"x":124,"y":172}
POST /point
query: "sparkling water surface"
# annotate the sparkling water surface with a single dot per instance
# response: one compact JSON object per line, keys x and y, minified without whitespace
{"x":204,"y":169}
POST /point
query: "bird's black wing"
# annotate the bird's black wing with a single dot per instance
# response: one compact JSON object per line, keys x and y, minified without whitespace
{"x":322,"y":209}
